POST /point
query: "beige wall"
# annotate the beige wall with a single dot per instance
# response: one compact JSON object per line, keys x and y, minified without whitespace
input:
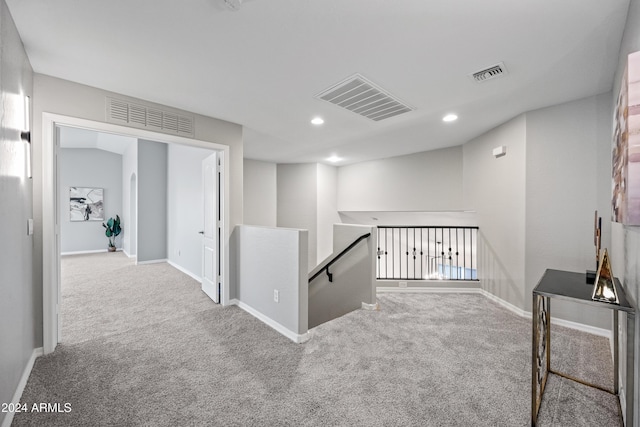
{"x":427,"y":181}
{"x":260,"y":193}
{"x":568,"y":178}
{"x":327,"y":184}
{"x":19,"y":309}
{"x":297,"y":202}
{"x":495,"y":189}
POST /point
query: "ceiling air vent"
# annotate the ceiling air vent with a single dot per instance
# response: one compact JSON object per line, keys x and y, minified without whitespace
{"x":144,"y":117}
{"x":492,"y":72}
{"x":362,"y":97}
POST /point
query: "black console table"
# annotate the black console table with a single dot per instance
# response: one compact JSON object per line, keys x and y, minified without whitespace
{"x":571,"y":286}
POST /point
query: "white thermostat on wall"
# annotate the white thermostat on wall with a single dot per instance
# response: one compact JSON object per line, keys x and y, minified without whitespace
{"x":500,"y":151}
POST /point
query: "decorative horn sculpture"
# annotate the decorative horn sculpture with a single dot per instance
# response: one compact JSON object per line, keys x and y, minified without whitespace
{"x":597,"y":236}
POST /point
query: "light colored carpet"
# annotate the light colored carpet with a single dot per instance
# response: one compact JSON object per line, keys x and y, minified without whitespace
{"x":157,"y":352}
{"x":106,"y":293}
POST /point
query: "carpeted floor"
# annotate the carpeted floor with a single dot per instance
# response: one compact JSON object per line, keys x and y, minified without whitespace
{"x":142,"y":345}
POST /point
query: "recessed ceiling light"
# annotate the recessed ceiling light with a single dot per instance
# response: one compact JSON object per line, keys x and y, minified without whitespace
{"x":334,"y":159}
{"x":317,"y":121}
{"x":450,"y":118}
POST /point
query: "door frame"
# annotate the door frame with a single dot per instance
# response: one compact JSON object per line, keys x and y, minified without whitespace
{"x":51,"y":296}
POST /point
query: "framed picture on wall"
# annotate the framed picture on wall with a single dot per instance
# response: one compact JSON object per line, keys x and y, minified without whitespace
{"x":86,"y":204}
{"x":625,"y":201}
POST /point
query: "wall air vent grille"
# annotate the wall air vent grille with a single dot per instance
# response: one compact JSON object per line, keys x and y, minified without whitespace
{"x":142,"y":116}
{"x":363,"y":97}
{"x":489,"y":73}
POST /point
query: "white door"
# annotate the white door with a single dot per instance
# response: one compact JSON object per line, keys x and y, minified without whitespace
{"x":210,"y":266}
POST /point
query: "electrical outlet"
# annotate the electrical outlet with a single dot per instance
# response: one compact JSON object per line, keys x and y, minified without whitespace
{"x":403,"y":284}
{"x":276,"y":295}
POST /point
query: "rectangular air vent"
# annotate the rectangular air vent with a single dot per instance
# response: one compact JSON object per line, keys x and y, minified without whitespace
{"x":489,"y":73}
{"x":142,"y":116}
{"x":363,"y":97}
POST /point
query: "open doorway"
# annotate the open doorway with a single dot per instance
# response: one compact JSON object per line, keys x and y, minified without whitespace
{"x":52,"y":206}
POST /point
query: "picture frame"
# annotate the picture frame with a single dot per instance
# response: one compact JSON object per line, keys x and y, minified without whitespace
{"x":625,"y":202}
{"x":86,"y":204}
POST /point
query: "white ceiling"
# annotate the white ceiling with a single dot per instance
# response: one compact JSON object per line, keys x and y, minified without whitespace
{"x":261,"y":66}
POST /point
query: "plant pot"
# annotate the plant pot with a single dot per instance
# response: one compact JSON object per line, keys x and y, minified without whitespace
{"x":112,"y":248}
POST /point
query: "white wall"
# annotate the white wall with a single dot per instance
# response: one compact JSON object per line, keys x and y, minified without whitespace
{"x":152,"y":201}
{"x":274,"y":259}
{"x":427,"y":181}
{"x":20,"y":305}
{"x":297,"y":202}
{"x":129,"y":223}
{"x":568,"y":178}
{"x":185,"y":213}
{"x":495,"y":189}
{"x":327,"y":209}
{"x":625,"y":241}
{"x":307,"y":199}
{"x":535,"y":205}
{"x":88,"y":167}
{"x":260,"y":193}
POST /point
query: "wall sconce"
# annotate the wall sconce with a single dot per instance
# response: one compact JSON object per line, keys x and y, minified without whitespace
{"x":25,"y":135}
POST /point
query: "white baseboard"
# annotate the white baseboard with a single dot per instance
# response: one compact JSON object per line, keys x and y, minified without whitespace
{"x":151,"y":261}
{"x":581,"y":327}
{"x":297,"y":338}
{"x":554,"y":320}
{"x":422,"y":290}
{"x":516,"y":310}
{"x":372,"y":307}
{"x":185,"y":271}
{"x":97,"y":251}
{"x":22,"y":384}
{"x":127,"y":254}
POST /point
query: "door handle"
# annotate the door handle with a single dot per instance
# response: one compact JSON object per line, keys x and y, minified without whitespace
{"x":201,"y":232}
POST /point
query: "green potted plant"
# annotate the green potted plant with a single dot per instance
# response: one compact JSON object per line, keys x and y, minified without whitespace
{"x":112,"y":230}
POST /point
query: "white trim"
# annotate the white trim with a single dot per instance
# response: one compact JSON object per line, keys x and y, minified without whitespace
{"x":127,"y":254}
{"x":423,"y":290}
{"x":581,"y":327}
{"x":185,"y":271}
{"x":50,"y":229}
{"x":151,"y":261}
{"x":87,"y":252}
{"x":297,"y":338}
{"x":514,"y":309}
{"x":475,"y":283}
{"x":554,"y":320}
{"x":37,"y":352}
{"x":372,"y":307}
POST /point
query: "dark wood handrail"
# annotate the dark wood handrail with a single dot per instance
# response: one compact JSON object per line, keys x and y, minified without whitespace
{"x":337,"y":257}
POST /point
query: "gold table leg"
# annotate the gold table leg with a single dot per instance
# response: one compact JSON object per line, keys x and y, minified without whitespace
{"x":540,"y":352}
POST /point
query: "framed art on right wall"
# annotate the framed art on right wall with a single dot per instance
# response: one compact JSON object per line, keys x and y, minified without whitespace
{"x":625,"y":201}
